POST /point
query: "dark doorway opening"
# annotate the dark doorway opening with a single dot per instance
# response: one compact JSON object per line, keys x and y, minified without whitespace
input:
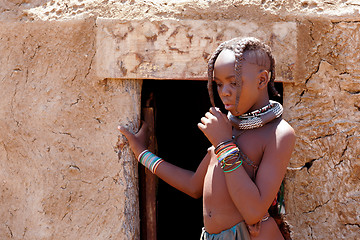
{"x":178,"y":106}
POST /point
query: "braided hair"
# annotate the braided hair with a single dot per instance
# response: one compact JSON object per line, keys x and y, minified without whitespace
{"x":260,"y":55}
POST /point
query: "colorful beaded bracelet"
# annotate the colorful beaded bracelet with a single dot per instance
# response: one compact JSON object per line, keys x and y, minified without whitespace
{"x":150,"y":160}
{"x":228,"y":155}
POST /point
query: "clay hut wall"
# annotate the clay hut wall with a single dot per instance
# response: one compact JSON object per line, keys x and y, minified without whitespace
{"x":72,"y":71}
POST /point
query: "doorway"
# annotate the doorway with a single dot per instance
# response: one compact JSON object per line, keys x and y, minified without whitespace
{"x":178,"y":106}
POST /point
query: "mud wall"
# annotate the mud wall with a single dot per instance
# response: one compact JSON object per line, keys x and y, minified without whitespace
{"x":60,"y":174}
{"x":71,"y":72}
{"x":324,"y":107}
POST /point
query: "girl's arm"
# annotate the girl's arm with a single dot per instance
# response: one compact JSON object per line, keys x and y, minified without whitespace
{"x":184,"y":180}
{"x":252,"y":199}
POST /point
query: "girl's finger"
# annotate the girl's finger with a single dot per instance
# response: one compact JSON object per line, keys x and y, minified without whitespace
{"x":204,"y":120}
{"x":215,"y":111}
{"x":123,"y":130}
{"x":209,"y":115}
{"x":201,"y":126}
{"x":126,"y":133}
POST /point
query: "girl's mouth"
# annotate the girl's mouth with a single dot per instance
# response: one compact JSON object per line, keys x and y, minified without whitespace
{"x":228,"y":106}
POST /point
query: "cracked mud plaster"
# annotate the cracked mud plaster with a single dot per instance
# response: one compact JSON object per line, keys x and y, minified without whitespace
{"x":58,"y":128}
{"x":323,"y":110}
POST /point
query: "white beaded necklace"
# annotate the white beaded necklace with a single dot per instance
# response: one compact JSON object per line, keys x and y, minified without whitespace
{"x":257,"y":118}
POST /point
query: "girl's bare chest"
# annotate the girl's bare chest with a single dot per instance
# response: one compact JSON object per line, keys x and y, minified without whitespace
{"x":215,"y":190}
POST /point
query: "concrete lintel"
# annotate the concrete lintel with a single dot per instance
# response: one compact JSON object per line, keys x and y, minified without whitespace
{"x":172,"y":49}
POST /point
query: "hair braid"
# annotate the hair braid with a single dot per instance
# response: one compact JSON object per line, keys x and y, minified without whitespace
{"x":271,"y":85}
{"x":239,"y":52}
{"x":211,"y":71}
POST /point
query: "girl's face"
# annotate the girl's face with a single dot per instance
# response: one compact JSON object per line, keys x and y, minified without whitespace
{"x":224,"y":76}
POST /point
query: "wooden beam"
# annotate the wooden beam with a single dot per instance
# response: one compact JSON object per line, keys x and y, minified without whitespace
{"x":171,"y":49}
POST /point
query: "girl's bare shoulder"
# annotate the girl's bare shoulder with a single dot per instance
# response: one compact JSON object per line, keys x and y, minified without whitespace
{"x":284,"y":130}
{"x":278,"y":132}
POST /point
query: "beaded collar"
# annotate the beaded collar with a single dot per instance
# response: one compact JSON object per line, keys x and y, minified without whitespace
{"x":257,"y":118}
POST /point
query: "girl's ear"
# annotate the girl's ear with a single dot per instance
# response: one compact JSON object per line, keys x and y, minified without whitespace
{"x":264,"y":78}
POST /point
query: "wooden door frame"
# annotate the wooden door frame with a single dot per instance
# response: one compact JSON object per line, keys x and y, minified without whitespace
{"x":147,"y":181}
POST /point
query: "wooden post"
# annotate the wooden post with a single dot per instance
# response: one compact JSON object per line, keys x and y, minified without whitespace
{"x":148,"y":183}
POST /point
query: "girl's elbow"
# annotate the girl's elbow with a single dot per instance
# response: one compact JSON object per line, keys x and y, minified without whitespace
{"x":196,"y":195}
{"x":254,"y":218}
{"x":195,"y":190}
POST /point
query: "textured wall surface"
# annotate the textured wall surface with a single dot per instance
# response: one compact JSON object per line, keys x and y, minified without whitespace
{"x":323,"y":190}
{"x":61,"y":61}
{"x":60,"y":175}
{"x":180,"y":49}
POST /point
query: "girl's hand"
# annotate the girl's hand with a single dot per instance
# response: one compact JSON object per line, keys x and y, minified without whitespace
{"x":216,"y":126}
{"x":138,"y":141}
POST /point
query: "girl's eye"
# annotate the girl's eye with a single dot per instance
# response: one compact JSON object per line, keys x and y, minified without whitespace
{"x":219,"y":84}
{"x":233,"y":83}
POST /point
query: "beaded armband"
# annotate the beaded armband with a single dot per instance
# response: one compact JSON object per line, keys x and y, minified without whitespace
{"x":150,"y":160}
{"x":228,"y":155}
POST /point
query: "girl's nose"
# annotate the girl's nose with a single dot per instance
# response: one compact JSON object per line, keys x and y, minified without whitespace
{"x":226,"y":91}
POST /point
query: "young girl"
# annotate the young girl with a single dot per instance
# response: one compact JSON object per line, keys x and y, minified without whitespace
{"x":251,"y":146}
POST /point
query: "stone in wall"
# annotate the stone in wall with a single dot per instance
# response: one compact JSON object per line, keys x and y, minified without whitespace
{"x":60,"y":175}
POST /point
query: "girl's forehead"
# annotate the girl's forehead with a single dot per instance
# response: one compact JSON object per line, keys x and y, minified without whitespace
{"x":254,"y":57}
{"x":226,"y":56}
{"x":225,"y":61}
